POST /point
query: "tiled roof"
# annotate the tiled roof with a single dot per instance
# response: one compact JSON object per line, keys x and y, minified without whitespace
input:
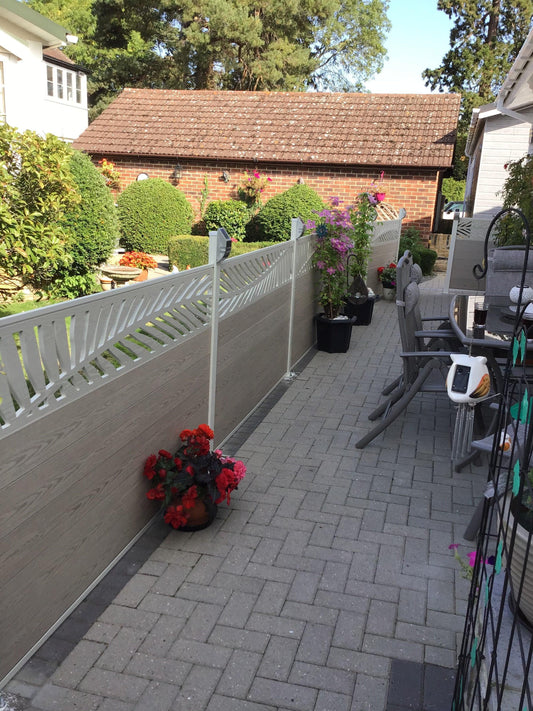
{"x":330,"y":128}
{"x":55,"y":53}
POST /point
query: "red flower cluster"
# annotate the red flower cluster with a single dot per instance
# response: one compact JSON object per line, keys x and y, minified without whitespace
{"x":193,"y":472}
{"x":141,"y":260}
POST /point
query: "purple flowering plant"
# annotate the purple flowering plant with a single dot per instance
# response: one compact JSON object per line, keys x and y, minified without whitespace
{"x":334,"y":243}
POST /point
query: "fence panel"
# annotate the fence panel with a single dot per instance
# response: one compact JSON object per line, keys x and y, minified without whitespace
{"x":91,"y":387}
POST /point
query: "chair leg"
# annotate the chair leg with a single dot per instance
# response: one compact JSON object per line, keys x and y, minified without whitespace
{"x":399,"y":406}
{"x":386,"y":404}
{"x":392,"y":386}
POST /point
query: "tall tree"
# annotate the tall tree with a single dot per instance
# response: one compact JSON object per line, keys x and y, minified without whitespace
{"x":223,"y":44}
{"x":486,"y":37}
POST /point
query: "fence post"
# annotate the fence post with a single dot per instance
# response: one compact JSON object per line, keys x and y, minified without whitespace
{"x":219,"y":249}
{"x":297,"y":228}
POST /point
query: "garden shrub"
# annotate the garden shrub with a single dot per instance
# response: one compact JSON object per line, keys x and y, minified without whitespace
{"x":92,"y":226}
{"x":230,"y":214}
{"x":273,"y":222}
{"x":422,"y":255}
{"x":516,"y":192}
{"x":193,"y":251}
{"x":150,"y":211}
{"x":37,"y":188}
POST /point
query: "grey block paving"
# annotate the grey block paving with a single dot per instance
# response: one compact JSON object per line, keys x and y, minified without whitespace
{"x":326,"y":586}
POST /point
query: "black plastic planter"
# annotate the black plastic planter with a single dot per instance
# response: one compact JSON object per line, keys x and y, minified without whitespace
{"x":362,"y":312}
{"x":333,"y":335}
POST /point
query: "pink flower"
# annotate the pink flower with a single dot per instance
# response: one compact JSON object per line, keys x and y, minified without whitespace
{"x":472,"y":558}
{"x":452,"y":546}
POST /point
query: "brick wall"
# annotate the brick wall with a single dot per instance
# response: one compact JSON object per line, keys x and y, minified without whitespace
{"x":413,"y":189}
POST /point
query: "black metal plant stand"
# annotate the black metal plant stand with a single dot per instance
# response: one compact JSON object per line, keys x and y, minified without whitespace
{"x":495,"y":663}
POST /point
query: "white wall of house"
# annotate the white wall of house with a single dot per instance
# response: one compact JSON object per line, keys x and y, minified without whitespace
{"x":24,"y":99}
{"x":500,"y":139}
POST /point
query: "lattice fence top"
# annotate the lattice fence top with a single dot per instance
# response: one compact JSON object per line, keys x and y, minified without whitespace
{"x":54,"y":355}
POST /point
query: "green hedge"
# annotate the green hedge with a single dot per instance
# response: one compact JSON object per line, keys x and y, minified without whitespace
{"x":230,"y":214}
{"x":193,"y":251}
{"x":150,"y":211}
{"x":273,"y":221}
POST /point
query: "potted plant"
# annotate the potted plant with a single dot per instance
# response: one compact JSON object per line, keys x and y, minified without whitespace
{"x":387,"y":276}
{"x":193,"y":481}
{"x":518,"y":512}
{"x":330,"y":258}
{"x":358,"y":303}
{"x":141,"y":260}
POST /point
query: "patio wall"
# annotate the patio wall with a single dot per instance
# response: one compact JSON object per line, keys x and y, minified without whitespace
{"x":72,"y":495}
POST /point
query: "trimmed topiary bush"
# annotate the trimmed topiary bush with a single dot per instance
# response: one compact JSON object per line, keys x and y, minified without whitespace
{"x":150,"y":211}
{"x":273,"y":222}
{"x":230,"y":214}
{"x":93,"y":224}
{"x":186,"y":251}
{"x":92,"y":227}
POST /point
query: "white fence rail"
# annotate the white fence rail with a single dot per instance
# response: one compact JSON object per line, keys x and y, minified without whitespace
{"x":466,"y":250}
{"x":385,"y":245}
{"x":54,"y":355}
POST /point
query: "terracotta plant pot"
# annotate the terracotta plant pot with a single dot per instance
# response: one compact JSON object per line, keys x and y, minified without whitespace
{"x":201,"y":515}
{"x":143,"y":276}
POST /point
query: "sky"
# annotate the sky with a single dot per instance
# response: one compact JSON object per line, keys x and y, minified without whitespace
{"x":419,"y":38}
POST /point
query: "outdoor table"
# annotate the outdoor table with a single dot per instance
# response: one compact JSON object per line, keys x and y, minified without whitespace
{"x":497,"y":334}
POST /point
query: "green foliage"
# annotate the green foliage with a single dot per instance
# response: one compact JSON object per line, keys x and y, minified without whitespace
{"x":516,"y":192}
{"x":362,"y":217}
{"x":273,"y":221}
{"x":231,"y":214}
{"x":150,"y":211}
{"x":453,"y":190}
{"x":222,"y":44}
{"x":70,"y":286}
{"x":185,"y":250}
{"x":93,"y":223}
{"x":422,"y":255}
{"x":484,"y":41}
{"x":36,"y":191}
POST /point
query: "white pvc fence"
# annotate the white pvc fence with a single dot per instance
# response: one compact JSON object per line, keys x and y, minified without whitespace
{"x":385,"y":245}
{"x":56,"y":354}
{"x":466,"y":250}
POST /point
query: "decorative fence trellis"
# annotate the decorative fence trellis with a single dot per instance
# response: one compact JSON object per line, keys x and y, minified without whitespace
{"x":495,"y":664}
{"x":54,"y":355}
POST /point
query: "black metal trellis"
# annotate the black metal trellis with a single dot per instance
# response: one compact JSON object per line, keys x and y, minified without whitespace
{"x":495,"y":669}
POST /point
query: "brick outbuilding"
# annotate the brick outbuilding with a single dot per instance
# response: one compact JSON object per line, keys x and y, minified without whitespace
{"x":337,"y":143}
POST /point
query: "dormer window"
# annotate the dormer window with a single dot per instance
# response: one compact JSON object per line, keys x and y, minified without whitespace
{"x":64,"y":85}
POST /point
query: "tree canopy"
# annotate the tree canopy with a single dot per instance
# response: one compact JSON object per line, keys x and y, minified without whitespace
{"x":283,"y":45}
{"x":484,"y":42}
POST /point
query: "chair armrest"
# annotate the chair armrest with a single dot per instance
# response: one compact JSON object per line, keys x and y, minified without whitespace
{"x":426,"y":354}
{"x":442,"y":333}
{"x":436,"y":318}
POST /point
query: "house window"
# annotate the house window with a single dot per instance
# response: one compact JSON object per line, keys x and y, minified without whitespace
{"x":59,"y":83}
{"x":50,"y":81}
{"x":2,"y":95}
{"x":64,"y":85}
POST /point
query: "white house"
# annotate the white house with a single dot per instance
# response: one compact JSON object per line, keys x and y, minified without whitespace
{"x":40,"y":88}
{"x":499,"y":133}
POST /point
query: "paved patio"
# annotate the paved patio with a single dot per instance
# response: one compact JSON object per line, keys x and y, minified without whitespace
{"x":327,"y":585}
